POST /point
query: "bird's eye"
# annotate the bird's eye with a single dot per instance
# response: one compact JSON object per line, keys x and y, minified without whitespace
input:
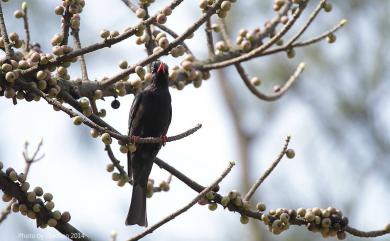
{"x":155,"y":66}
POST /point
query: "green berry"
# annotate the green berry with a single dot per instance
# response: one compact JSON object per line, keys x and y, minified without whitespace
{"x":110,"y":167}
{"x":65,"y":216}
{"x":210,"y":195}
{"x":52,"y":222}
{"x":6,"y":197}
{"x":213,"y":206}
{"x":94,"y":133}
{"x":18,"y":14}
{"x":284,"y":217}
{"x":48,"y":196}
{"x":123,"y":149}
{"x":290,"y":153}
{"x":36,"y":208}
{"x":327,"y":7}
{"x":164,"y":185}
{"x":261,"y":207}
{"x":49,"y":205}
{"x":31,"y":214}
{"x":290,"y":53}
{"x":77,"y":120}
{"x":25,"y":186}
{"x":104,"y":33}
{"x":56,"y":215}
{"x":84,"y":103}
{"x":244,"y":219}
{"x":301,"y":212}
{"x":106,"y":138}
{"x":10,"y":76}
{"x":13,"y":176}
{"x":225,"y":201}
{"x":255,"y":81}
{"x":123,"y":64}
{"x":115,"y":176}
{"x":331,"y":38}
{"x":38,"y":191}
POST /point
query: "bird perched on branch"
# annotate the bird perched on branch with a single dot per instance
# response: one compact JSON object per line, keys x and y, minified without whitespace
{"x":150,"y":116}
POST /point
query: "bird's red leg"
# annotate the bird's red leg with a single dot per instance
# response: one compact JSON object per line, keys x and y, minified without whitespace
{"x":164,"y":140}
{"x":134,"y":139}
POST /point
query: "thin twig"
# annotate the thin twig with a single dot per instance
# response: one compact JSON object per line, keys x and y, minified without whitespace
{"x":224,"y":32}
{"x":28,"y":161}
{"x":83,"y":65}
{"x":279,"y":93}
{"x":26,"y":30}
{"x":312,"y":16}
{"x":209,"y":38}
{"x":322,"y":36}
{"x":182,"y":177}
{"x":186,"y":207}
{"x":3,"y":30}
{"x":368,"y":234}
{"x":151,"y":140}
{"x":305,"y":42}
{"x":244,"y":76}
{"x":115,"y":161}
{"x":66,"y":26}
{"x":131,"y":5}
{"x":259,"y":181}
{"x":150,"y":44}
{"x":251,"y":54}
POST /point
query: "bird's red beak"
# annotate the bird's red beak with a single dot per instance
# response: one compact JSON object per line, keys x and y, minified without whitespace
{"x":161,"y":68}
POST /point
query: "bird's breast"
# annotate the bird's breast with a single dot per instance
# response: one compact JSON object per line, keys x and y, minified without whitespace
{"x":157,"y":113}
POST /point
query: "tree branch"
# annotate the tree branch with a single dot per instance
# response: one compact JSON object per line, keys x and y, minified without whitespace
{"x":3,"y":30}
{"x":11,"y":188}
{"x":186,"y":207}
{"x":259,"y":181}
{"x":171,"y":45}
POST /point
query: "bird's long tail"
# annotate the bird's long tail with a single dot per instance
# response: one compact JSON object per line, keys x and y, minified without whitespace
{"x":137,"y":211}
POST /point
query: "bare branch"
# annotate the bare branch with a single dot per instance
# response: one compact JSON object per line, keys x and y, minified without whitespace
{"x":305,"y":42}
{"x":251,"y":54}
{"x":279,"y":93}
{"x":26,"y":29}
{"x":28,"y":161}
{"x":83,"y":65}
{"x":209,"y":38}
{"x":259,"y":181}
{"x":151,"y":140}
{"x":369,"y":234}
{"x":3,"y":30}
{"x":186,"y":207}
{"x":133,"y":7}
{"x":182,"y":177}
{"x":11,"y":188}
{"x":313,"y":15}
{"x":66,"y":25}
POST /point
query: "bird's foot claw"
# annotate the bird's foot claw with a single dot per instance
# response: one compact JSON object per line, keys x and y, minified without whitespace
{"x":164,"y":140}
{"x":134,"y":139}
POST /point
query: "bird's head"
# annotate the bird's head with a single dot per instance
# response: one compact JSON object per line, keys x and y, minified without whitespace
{"x":160,"y":70}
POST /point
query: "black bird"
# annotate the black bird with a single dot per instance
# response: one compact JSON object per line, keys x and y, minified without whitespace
{"x":150,"y":116}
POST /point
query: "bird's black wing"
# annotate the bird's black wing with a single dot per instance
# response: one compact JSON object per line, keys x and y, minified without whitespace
{"x":169,"y":121}
{"x":136,"y":113}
